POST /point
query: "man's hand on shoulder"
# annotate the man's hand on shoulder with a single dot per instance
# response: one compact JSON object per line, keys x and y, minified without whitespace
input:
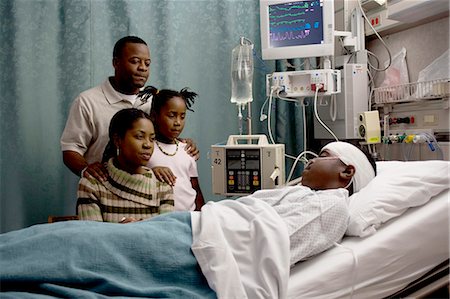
{"x":191,"y":148}
{"x":97,"y":170}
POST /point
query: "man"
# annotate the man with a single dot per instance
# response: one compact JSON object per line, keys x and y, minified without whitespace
{"x":86,"y":133}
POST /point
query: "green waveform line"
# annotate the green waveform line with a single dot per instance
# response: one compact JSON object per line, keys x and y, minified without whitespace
{"x":288,"y":15}
{"x":286,"y":22}
{"x":306,"y":5}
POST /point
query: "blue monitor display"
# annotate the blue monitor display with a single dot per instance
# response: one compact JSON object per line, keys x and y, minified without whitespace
{"x":295,"y":23}
{"x":297,"y":29}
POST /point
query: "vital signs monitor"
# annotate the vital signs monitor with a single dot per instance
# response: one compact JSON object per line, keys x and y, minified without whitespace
{"x":297,"y":29}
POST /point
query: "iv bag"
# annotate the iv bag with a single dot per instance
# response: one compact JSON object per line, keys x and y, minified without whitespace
{"x":242,"y":73}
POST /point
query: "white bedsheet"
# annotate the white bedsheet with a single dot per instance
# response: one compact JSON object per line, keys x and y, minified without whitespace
{"x":402,"y":250}
{"x":242,"y":248}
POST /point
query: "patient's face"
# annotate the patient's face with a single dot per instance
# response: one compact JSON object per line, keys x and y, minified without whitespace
{"x":323,"y":172}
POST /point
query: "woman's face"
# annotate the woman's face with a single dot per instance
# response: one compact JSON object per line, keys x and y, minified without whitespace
{"x":136,"y":148}
{"x":323,"y":172}
{"x":171,"y":119}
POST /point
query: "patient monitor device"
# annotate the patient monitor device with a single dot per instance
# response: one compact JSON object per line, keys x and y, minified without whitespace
{"x":247,"y":163}
{"x":369,"y":126}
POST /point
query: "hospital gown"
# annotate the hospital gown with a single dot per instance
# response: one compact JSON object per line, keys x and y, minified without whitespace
{"x":315,"y":219}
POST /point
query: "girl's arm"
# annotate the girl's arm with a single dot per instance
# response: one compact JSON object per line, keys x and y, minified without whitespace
{"x":199,"y":201}
{"x":164,"y":174}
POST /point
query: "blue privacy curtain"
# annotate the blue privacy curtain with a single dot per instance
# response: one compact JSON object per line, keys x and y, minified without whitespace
{"x":51,"y":50}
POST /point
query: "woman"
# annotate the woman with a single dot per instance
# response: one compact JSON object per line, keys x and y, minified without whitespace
{"x":131,"y":191}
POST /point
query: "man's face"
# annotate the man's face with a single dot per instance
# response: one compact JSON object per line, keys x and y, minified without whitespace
{"x":323,"y":172}
{"x":132,"y":68}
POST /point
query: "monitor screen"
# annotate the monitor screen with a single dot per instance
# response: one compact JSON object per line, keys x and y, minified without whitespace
{"x":296,"y":29}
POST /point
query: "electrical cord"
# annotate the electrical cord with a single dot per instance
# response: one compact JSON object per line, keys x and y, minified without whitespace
{"x":379,"y":37}
{"x":270,"y":129}
{"x":317,"y":114}
{"x":296,"y":100}
{"x":333,"y":108}
{"x":269,"y":113}
{"x":262,"y":116}
{"x":371,"y":54}
{"x":304,"y":125}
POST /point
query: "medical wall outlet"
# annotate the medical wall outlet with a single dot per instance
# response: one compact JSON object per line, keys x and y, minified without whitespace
{"x":369,"y":126}
{"x":247,"y":163}
{"x":432,"y":115}
{"x":304,"y":83}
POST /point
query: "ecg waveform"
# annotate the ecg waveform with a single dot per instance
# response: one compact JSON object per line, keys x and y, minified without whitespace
{"x":290,"y":23}
{"x":289,"y":35}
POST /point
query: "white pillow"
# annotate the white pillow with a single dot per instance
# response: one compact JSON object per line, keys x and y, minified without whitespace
{"x":397,"y":187}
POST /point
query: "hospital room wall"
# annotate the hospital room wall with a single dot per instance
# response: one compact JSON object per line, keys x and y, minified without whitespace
{"x":424,"y":43}
{"x":52,"y":50}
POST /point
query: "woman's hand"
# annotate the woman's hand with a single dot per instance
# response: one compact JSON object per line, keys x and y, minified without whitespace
{"x":164,"y":174}
{"x":128,"y":220}
{"x":191,"y":148}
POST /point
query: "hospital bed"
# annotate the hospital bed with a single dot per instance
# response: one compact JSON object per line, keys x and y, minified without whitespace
{"x":398,"y":231}
{"x":408,"y":254}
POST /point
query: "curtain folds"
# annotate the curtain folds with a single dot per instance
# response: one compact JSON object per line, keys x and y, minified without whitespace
{"x":52,"y":50}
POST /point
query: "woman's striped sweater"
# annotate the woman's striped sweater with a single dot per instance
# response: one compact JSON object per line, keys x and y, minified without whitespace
{"x":139,"y":196}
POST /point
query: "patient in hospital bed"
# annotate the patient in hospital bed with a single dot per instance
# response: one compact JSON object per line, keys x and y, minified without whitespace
{"x":230,"y":249}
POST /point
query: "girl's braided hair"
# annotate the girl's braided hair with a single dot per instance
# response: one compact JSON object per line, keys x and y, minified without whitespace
{"x":160,"y":97}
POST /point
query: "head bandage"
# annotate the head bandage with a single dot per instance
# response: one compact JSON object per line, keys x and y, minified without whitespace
{"x":351,"y":155}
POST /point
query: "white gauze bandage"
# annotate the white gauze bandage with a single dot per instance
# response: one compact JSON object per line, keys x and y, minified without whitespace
{"x":351,"y":155}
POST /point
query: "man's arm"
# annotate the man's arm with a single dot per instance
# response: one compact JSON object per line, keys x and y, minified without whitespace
{"x":74,"y":161}
{"x":191,"y":148}
{"x":77,"y":163}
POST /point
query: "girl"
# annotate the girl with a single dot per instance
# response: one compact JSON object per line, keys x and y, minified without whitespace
{"x":131,"y":191}
{"x":170,"y":161}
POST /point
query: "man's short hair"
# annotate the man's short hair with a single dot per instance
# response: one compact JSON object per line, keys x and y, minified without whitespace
{"x":120,"y":44}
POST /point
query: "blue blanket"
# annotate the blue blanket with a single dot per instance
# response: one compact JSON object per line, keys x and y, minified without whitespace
{"x":82,"y":259}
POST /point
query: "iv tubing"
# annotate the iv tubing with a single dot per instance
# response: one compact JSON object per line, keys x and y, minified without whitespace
{"x":296,"y":161}
{"x":240,"y":119}
{"x":249,"y":118}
